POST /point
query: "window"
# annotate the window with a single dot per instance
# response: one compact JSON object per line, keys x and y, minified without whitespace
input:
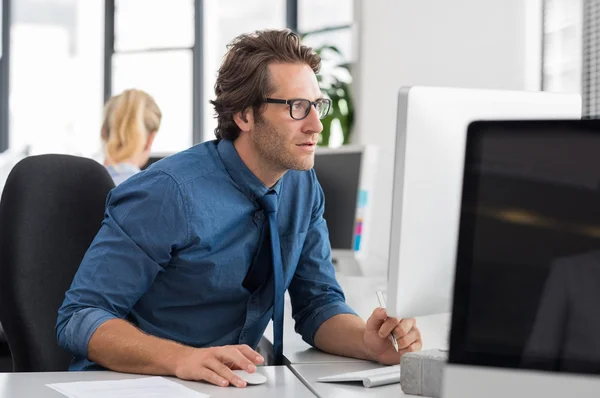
{"x":152,"y":24}
{"x":153,"y":47}
{"x":319,"y":14}
{"x":223,"y":21}
{"x":562,"y":45}
{"x":167,"y":76}
{"x":329,"y":23}
{"x":55,"y":64}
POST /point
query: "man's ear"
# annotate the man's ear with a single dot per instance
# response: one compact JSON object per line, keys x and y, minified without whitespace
{"x":244,"y":119}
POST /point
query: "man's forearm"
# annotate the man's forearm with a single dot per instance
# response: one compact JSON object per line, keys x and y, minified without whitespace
{"x":120,"y":346}
{"x":342,"y":335}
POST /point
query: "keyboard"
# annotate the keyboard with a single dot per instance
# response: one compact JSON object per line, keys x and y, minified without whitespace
{"x":369,"y":378}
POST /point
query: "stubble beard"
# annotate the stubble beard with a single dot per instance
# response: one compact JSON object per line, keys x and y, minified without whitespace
{"x":271,"y":146}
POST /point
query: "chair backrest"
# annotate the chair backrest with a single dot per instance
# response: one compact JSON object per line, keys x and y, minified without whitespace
{"x":52,"y":207}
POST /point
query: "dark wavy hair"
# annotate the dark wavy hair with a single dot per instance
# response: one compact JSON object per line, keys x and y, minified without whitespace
{"x":243,"y":79}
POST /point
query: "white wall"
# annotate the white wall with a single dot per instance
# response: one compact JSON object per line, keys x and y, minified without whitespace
{"x":461,"y":43}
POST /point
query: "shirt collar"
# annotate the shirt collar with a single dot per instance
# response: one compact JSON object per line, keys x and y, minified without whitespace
{"x":241,"y":174}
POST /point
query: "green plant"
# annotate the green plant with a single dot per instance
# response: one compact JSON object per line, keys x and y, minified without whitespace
{"x":335,"y":81}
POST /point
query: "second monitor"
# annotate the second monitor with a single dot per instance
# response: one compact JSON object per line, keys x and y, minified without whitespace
{"x":430,"y":151}
{"x":346,"y":176}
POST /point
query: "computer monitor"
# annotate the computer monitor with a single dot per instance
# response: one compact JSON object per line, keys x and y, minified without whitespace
{"x":430,"y":145}
{"x":346,"y":175}
{"x":525,"y":319}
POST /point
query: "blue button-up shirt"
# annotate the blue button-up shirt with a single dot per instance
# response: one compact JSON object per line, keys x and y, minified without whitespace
{"x":176,"y":243}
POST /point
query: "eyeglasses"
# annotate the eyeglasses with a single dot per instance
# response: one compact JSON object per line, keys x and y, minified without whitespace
{"x":300,"y":107}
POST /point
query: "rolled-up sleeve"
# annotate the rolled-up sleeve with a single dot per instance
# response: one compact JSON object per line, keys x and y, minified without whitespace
{"x":144,"y":222}
{"x":315,"y":293}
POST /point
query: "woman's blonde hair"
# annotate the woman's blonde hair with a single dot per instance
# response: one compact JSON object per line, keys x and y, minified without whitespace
{"x":129,"y":118}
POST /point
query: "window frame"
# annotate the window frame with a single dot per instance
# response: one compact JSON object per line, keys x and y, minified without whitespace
{"x":198,"y":103}
{"x":197,"y":61}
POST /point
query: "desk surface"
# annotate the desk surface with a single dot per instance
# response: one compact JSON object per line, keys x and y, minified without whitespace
{"x":360,"y":295}
{"x":309,"y":373}
{"x":282,"y":383}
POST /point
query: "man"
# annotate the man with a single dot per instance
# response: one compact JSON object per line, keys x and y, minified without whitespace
{"x":178,"y":280}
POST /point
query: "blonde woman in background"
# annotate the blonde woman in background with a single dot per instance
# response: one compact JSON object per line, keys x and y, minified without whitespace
{"x":131,"y":121}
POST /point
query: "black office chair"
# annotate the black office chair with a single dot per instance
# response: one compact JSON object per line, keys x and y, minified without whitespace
{"x":52,"y":206}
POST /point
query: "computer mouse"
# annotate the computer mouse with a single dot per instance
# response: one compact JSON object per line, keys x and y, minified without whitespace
{"x":251,"y":378}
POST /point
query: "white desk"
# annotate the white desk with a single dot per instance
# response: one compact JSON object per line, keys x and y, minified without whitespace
{"x":282,"y":383}
{"x":360,"y":295}
{"x":309,"y":373}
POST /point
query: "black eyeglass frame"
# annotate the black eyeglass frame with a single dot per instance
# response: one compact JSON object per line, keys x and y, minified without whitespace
{"x":291,"y":102}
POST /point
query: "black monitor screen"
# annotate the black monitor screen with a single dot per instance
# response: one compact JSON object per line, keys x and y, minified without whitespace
{"x":339,"y":176}
{"x":527,"y":287}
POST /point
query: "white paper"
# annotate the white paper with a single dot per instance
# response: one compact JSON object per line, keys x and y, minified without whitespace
{"x":147,"y":387}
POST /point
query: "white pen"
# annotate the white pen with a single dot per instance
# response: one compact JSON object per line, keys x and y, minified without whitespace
{"x":382,"y":305}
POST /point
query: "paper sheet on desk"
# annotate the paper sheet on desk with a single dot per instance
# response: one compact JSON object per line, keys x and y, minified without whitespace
{"x":146,"y":387}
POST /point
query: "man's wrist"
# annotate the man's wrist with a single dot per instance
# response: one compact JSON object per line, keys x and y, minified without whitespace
{"x":176,"y":357}
{"x":364,"y":348}
{"x":367,"y":353}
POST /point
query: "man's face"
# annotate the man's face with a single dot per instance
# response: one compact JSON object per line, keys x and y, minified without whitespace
{"x":283,"y":142}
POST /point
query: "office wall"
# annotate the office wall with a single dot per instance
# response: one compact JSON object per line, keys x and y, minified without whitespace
{"x":463,"y":43}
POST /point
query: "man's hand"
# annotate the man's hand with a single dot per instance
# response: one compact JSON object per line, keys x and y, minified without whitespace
{"x":214,"y":364}
{"x":377,"y":341}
